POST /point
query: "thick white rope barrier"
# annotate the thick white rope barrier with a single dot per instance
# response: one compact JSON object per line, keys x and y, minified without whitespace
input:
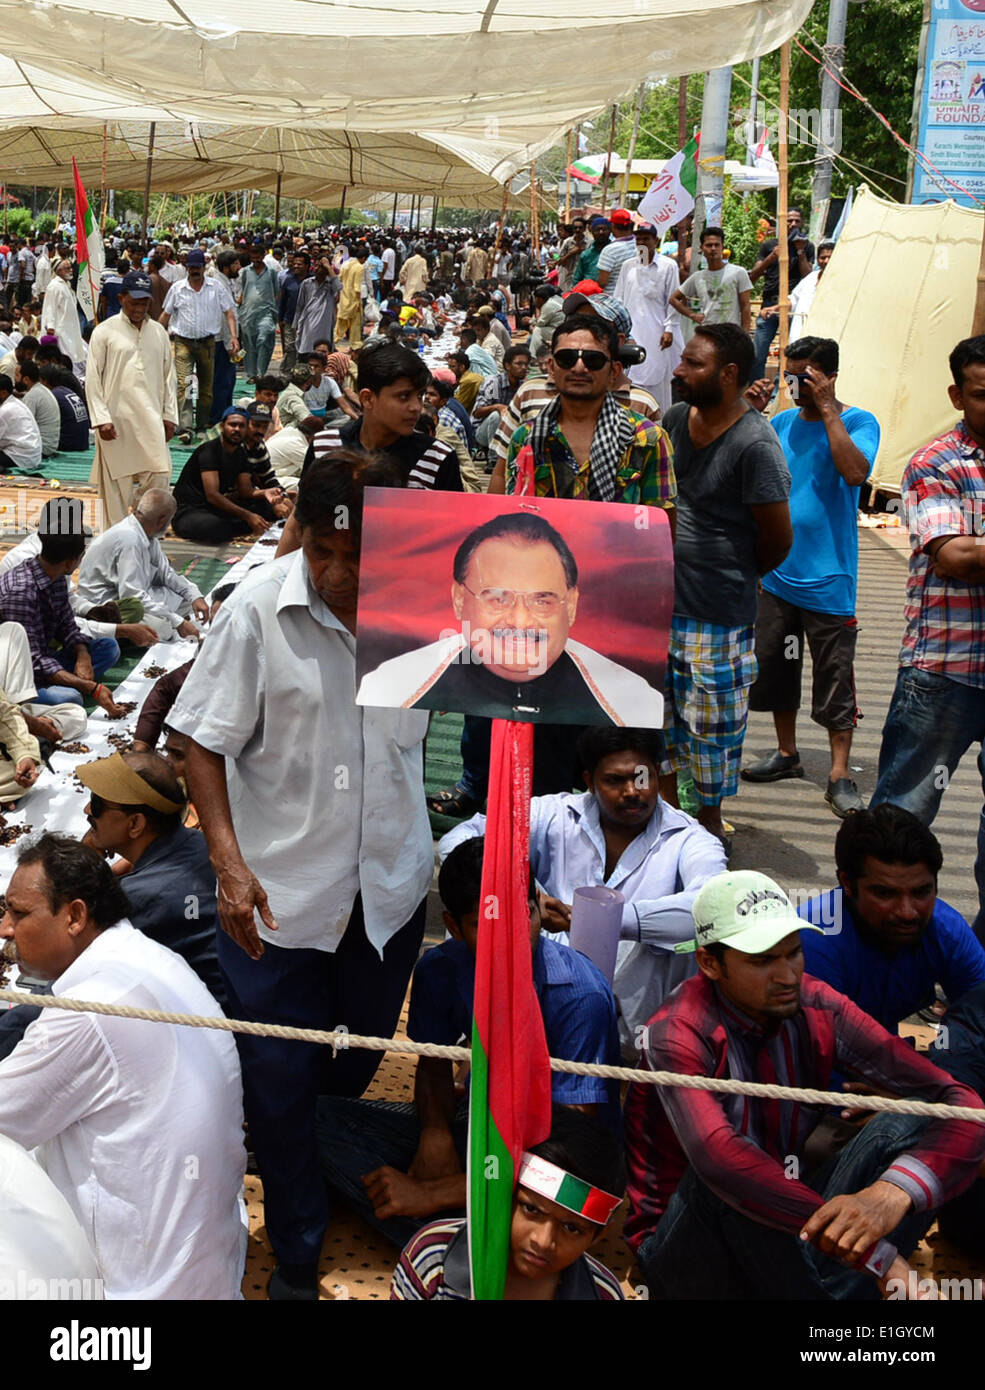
{"x":340,"y":1039}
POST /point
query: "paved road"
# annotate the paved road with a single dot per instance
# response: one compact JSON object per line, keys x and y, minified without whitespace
{"x":786,"y":829}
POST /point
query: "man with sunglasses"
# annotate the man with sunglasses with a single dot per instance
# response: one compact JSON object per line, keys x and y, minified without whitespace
{"x":584,"y":444}
{"x":830,"y":449}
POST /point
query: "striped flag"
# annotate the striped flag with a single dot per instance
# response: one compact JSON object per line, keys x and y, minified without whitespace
{"x":671,"y":195}
{"x":89,"y":250}
{"x":586,"y":169}
{"x":510,"y":1097}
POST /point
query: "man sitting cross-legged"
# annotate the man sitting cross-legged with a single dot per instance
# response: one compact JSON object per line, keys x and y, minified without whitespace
{"x":127,"y":562}
{"x":400,"y":1164}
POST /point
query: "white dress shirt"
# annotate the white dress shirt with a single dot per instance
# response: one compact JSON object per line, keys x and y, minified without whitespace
{"x":124,"y":562}
{"x":138,"y":1125}
{"x":195,"y":313}
{"x":20,"y":438}
{"x":659,"y":874}
{"x":327,"y":798}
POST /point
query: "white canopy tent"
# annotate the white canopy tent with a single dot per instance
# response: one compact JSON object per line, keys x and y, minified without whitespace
{"x":193,"y":158}
{"x":513,"y":72}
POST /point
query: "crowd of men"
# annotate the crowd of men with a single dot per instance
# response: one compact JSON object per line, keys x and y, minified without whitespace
{"x":297,"y":819}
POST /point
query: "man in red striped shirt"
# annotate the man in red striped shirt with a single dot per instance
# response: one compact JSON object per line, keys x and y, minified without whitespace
{"x":723,"y":1202}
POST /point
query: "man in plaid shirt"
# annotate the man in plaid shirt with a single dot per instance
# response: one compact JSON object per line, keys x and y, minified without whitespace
{"x":66,"y":666}
{"x":938,"y":706}
{"x":723,"y":1200}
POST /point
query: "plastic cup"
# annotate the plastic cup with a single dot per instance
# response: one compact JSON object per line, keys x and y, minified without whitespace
{"x":596,"y":921}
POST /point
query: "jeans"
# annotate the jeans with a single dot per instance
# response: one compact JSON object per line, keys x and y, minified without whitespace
{"x":931,"y":723}
{"x":762,"y":338}
{"x":104,"y":652}
{"x":357,"y":1136}
{"x":704,"y":1248}
{"x":199,"y":352}
{"x":282,"y":1080}
{"x":223,"y":383}
{"x":258,"y":343}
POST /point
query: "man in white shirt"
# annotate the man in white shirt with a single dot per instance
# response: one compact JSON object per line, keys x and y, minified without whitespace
{"x":646,"y":285}
{"x":802,"y":295}
{"x":20,"y":438}
{"x":620,"y":834}
{"x":193,"y":313}
{"x":127,"y":562}
{"x":138,"y":1125}
{"x":314,"y":812}
{"x":721,"y":293}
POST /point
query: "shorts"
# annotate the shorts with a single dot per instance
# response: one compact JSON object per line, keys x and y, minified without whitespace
{"x":780,"y":632}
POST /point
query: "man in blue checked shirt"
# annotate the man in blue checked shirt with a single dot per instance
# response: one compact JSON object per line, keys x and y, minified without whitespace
{"x":66,"y":665}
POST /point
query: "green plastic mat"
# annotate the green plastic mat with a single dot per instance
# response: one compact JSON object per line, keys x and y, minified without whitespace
{"x":443,"y":763}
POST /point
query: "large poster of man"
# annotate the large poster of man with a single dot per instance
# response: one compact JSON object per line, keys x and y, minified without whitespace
{"x":545,"y":610}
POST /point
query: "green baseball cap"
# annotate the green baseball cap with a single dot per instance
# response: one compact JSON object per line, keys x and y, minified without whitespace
{"x":744,"y":910}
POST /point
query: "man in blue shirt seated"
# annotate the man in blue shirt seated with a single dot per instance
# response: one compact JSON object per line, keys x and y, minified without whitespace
{"x":400,"y":1164}
{"x":888,"y":939}
{"x":620,"y":834}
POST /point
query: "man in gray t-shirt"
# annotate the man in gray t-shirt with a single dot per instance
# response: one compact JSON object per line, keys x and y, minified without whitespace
{"x":733,"y":525}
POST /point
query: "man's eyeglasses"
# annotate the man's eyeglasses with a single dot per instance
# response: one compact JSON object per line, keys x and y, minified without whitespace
{"x":593,"y":360}
{"x":541,"y":603}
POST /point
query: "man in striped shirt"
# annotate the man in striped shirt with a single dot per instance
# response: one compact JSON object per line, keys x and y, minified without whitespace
{"x":391,"y":384}
{"x":938,"y":706}
{"x":723,"y":1202}
{"x":538,"y":392}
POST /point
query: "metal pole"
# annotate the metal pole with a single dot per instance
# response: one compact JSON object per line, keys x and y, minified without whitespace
{"x":828,"y":128}
{"x":342,"y":207}
{"x":754,"y":104}
{"x":682,"y":113}
{"x":632,"y":143}
{"x":781,"y":219}
{"x":435,"y":203}
{"x":393,"y":219}
{"x":917,"y":98}
{"x":711,"y":164}
{"x":612,"y":141}
{"x":567,"y":183}
{"x":277,"y":204}
{"x":150,"y":163}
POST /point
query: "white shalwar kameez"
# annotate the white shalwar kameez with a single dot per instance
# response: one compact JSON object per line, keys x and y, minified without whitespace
{"x":60,"y":316}
{"x":130,"y":385}
{"x":645,"y":290}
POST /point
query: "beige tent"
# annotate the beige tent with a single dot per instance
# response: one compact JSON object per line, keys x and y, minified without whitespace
{"x":190,"y":157}
{"x":898,"y":294}
{"x":487,"y":70}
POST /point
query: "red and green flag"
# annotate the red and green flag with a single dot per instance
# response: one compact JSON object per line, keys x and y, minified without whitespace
{"x":586,"y":169}
{"x":672,"y":193}
{"x":510,"y":1097}
{"x":89,"y":250}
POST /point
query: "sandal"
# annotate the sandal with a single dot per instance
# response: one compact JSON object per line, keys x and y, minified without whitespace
{"x":455,"y":802}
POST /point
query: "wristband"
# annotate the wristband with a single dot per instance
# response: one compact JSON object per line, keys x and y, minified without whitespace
{"x":97,"y":687}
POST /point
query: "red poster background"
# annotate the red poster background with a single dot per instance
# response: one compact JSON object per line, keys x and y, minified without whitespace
{"x":625,"y":572}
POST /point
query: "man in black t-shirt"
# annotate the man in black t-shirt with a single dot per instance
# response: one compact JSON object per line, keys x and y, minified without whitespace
{"x":801,"y":253}
{"x":216,"y":495}
{"x":390,"y":384}
{"x":733,"y":525}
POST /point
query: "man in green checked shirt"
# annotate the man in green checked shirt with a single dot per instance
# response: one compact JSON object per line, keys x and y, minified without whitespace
{"x":584,"y":444}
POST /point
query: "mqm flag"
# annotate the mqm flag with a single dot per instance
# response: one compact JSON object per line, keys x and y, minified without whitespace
{"x":510,"y":1096}
{"x":586,"y":169}
{"x":89,"y":250}
{"x":671,"y":195}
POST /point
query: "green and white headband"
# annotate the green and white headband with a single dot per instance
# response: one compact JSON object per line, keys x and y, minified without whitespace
{"x":549,"y":1181}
